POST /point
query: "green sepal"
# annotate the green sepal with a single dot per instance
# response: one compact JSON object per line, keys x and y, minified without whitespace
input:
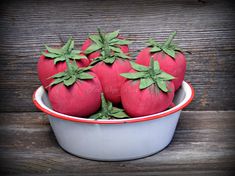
{"x":70,"y":81}
{"x":61,"y":54}
{"x":53,"y":50}
{"x":170,"y":52}
{"x":92,"y":48}
{"x":145,"y":82}
{"x":50,"y":55}
{"x":167,"y":47}
{"x":96,"y":39}
{"x":134,"y":75}
{"x":149,"y":75}
{"x":112,"y":35}
{"x":70,"y":76}
{"x":162,"y":85}
{"x":107,"y":111}
{"x":108,"y":45}
{"x":109,"y":60}
{"x":117,"y":41}
{"x":138,"y":67}
{"x":165,"y":76}
{"x":59,"y":59}
{"x":85,"y":76}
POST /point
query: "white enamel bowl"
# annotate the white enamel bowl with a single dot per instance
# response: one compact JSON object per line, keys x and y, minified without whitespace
{"x":115,"y":140}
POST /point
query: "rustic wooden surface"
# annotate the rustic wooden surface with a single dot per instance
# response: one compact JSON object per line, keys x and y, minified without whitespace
{"x":204,"y":143}
{"x":205,"y":28}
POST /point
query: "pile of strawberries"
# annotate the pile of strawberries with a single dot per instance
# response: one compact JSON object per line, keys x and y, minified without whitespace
{"x":101,"y":81}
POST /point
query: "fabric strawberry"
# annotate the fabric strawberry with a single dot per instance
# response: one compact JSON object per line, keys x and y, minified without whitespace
{"x":108,"y":54}
{"x":52,"y":61}
{"x":147,"y":90}
{"x":75,"y":91}
{"x":107,"y":111}
{"x":170,"y":57}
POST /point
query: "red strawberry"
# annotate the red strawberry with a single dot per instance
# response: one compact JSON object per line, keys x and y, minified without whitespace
{"x":75,"y":92}
{"x":147,"y":90}
{"x":53,"y":61}
{"x":169,"y":56}
{"x":107,"y":53}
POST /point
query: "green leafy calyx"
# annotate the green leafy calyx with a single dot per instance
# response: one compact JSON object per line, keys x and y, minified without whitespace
{"x":149,"y":75}
{"x":108,"y":45}
{"x":67,"y":51}
{"x":167,"y":47}
{"x":107,"y":111}
{"x":71,"y":75}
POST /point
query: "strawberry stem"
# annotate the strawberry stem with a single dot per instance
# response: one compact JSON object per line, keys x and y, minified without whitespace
{"x":106,"y":44}
{"x":169,"y":40}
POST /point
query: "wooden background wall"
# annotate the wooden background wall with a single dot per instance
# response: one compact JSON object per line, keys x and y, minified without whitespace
{"x":205,"y":28}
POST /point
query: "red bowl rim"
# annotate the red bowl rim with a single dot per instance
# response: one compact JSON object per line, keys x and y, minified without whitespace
{"x":118,"y":121}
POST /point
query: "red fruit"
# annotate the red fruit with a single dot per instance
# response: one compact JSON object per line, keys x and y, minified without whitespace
{"x":46,"y":68}
{"x":80,"y":99}
{"x":147,"y":90}
{"x":110,"y":78}
{"x":107,"y":52}
{"x":170,"y":58}
{"x":53,"y":61}
{"x":149,"y":101}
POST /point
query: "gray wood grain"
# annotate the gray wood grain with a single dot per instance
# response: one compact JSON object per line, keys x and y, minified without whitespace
{"x":204,"y":28}
{"x":204,"y":143}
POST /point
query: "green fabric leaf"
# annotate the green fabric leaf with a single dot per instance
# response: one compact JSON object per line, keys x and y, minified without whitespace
{"x":122,"y":55}
{"x":96,"y":60}
{"x":92,"y":48}
{"x":120,"y":115}
{"x":57,"y":81}
{"x":116,"y":49}
{"x":152,"y":42}
{"x":77,"y":57}
{"x":96,"y":116}
{"x":70,"y":81}
{"x":165,"y":76}
{"x":116,"y":110}
{"x":156,"y":66}
{"x":155,"y":49}
{"x":67,"y":45}
{"x":169,"y":52}
{"x":145,"y":82}
{"x":86,"y":68}
{"x":109,"y":60}
{"x":50,"y":55}
{"x":59,"y":59}
{"x":59,"y":75}
{"x":135,"y":75}
{"x":75,"y":52}
{"x":110,"y":105}
{"x":96,"y":39}
{"x":138,"y":67}
{"x":162,"y":85}
{"x":117,"y":41}
{"x":112,"y":35}
{"x":85,"y":76}
{"x":71,"y":46}
{"x":53,"y":50}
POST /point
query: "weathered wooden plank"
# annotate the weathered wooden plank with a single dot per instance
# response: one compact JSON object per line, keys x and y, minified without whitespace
{"x":203,"y":144}
{"x":205,"y":29}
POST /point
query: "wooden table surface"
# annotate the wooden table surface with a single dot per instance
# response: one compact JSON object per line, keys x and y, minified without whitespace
{"x":204,"y":143}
